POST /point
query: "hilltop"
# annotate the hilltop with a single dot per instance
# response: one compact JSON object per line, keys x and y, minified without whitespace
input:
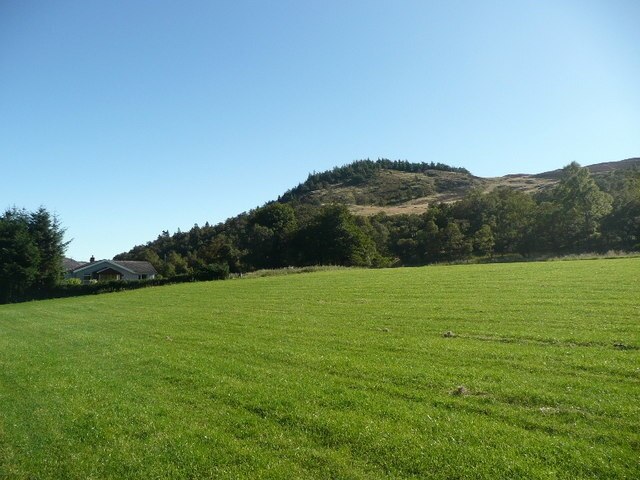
{"x":369,"y":187}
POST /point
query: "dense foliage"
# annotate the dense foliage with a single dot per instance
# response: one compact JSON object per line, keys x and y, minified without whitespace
{"x":579,"y":214}
{"x":31,"y":250}
{"x":575,"y":216}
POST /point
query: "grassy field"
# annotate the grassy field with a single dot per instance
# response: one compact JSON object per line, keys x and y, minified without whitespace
{"x":334,"y":374}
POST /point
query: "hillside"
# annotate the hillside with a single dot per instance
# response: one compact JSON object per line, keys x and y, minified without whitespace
{"x":350,"y":216}
{"x":598,"y":169}
{"x":338,"y":374}
{"x":394,"y":190}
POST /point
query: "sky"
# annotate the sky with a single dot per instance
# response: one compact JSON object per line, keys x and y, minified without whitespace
{"x":127,"y":118}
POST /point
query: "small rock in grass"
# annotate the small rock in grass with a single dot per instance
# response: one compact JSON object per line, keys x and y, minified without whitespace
{"x":460,"y":391}
{"x":384,"y":329}
{"x":448,"y":334}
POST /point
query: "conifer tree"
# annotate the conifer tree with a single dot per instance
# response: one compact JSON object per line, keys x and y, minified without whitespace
{"x":19,"y":257}
{"x":48,"y":237}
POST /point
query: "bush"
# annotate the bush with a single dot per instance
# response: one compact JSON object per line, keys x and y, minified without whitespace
{"x":214,"y":271}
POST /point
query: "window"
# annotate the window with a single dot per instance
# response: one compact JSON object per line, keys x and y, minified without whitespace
{"x":142,"y":277}
{"x":86,"y":277}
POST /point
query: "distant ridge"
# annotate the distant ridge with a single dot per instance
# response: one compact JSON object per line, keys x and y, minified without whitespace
{"x":604,"y":167}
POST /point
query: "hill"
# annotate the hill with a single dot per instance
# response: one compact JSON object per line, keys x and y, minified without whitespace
{"x":338,"y":374}
{"x":394,"y":187}
{"x":394,"y":213}
{"x":598,"y":169}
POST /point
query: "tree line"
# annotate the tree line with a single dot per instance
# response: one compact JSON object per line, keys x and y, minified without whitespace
{"x":577,"y":215}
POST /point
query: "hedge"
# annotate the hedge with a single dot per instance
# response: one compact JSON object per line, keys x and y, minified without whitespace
{"x":212,"y":272}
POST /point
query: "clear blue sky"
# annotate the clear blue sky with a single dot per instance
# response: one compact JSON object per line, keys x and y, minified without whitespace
{"x":131,"y":117}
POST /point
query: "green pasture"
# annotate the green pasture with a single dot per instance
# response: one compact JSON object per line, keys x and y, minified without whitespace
{"x":333,"y":374}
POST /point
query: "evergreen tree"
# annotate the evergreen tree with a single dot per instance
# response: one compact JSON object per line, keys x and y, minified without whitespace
{"x":432,"y":241}
{"x":48,"y":236}
{"x":19,"y":256}
{"x":455,"y":244}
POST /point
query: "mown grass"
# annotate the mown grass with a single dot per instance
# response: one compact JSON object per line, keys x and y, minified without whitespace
{"x":289,"y":271}
{"x":334,"y":374}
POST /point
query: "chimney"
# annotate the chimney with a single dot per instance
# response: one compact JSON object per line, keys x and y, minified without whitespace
{"x":92,"y":259}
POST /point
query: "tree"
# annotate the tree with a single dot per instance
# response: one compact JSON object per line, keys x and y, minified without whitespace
{"x":333,"y":238}
{"x":432,"y":241}
{"x":19,"y":256}
{"x":277,"y":216}
{"x":579,"y":206}
{"x":511,"y":216}
{"x":175,"y":265}
{"x":268,"y":236}
{"x":375,"y":228}
{"x":221,"y":250}
{"x":455,"y":245}
{"x":151,"y":256}
{"x":621,"y":228}
{"x":405,"y":238}
{"x":31,"y":251}
{"x":48,"y":236}
{"x":483,"y":240}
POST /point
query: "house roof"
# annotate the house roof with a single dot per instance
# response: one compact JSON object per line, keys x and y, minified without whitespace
{"x":70,"y":264}
{"x":140,"y":267}
{"x":136,"y":267}
{"x":109,"y":269}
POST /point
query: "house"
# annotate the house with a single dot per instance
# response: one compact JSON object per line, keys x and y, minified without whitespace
{"x":105,"y":270}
